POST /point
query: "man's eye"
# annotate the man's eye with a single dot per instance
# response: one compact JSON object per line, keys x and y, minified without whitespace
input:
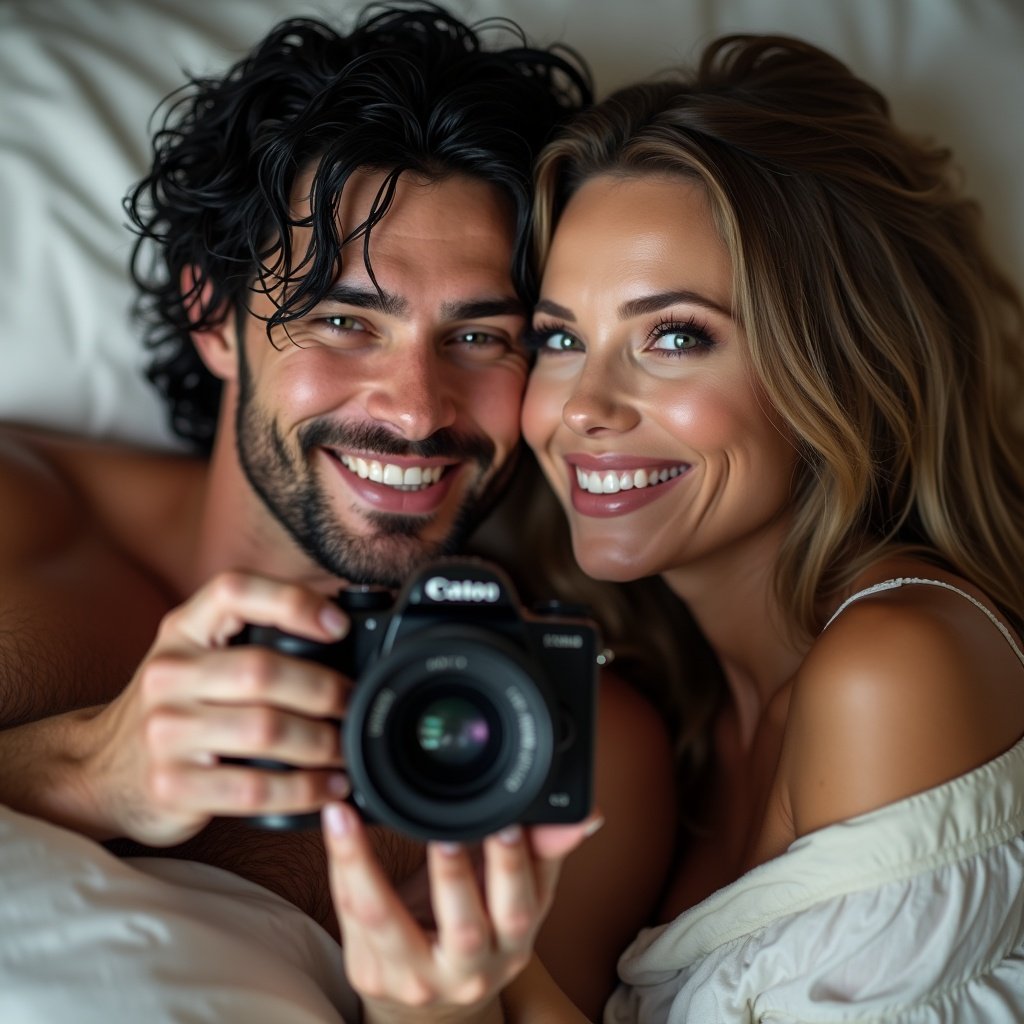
{"x":481,"y":344}
{"x":478,"y":339}
{"x":343,"y":323}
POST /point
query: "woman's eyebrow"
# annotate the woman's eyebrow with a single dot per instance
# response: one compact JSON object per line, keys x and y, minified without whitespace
{"x":641,"y":306}
{"x":652,"y":303}
{"x":547,"y":306}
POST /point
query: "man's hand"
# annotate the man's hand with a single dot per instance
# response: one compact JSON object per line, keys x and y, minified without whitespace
{"x":483,"y":932}
{"x":153,"y":757}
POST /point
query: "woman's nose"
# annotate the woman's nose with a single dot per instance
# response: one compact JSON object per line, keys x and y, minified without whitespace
{"x":599,"y":404}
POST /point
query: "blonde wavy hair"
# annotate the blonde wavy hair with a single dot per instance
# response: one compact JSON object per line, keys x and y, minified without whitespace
{"x":878,"y":325}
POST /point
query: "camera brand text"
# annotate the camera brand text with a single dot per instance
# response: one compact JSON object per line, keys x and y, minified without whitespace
{"x":438,"y":588}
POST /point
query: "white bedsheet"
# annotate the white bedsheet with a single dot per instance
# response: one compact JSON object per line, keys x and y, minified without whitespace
{"x":86,"y":938}
{"x":80,"y":78}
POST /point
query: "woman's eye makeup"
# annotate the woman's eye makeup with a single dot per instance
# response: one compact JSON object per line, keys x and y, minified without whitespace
{"x":669,"y":337}
{"x":674,"y":338}
{"x":549,"y":339}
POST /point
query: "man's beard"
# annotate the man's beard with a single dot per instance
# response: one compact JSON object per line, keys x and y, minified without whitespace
{"x":289,"y":488}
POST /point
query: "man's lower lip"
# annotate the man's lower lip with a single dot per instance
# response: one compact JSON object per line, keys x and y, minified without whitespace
{"x":388,"y":499}
{"x":603,"y":506}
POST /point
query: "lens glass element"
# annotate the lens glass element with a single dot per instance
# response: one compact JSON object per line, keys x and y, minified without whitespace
{"x":452,"y":730}
{"x":449,"y":740}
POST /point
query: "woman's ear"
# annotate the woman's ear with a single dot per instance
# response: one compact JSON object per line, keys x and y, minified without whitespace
{"x":217,"y":345}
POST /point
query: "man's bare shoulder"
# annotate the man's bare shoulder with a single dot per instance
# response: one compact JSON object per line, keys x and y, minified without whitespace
{"x":86,"y":535}
{"x":904,"y":691}
{"x":56,"y":487}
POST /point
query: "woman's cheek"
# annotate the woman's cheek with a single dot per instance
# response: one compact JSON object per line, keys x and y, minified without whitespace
{"x":542,"y":411}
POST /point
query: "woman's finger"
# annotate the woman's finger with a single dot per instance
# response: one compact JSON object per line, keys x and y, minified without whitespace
{"x":464,"y":935}
{"x":551,"y":844}
{"x":512,"y":895}
{"x":369,"y":910}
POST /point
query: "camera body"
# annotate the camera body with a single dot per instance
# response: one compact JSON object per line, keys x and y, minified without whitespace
{"x":468,"y":714}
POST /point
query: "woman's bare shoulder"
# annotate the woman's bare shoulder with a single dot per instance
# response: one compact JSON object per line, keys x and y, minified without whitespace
{"x":908,"y":688}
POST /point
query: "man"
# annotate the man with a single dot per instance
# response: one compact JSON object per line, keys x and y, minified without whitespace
{"x":343,"y":276}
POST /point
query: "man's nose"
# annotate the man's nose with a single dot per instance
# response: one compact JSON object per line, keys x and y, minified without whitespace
{"x":414,"y":396}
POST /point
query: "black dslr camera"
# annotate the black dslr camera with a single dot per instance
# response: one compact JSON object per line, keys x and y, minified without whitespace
{"x":467,"y":714}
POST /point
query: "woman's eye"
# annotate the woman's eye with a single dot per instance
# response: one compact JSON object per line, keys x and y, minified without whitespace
{"x":677,"y":341}
{"x":560,"y":341}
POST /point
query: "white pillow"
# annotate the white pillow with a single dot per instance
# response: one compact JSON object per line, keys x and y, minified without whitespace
{"x":79,"y":80}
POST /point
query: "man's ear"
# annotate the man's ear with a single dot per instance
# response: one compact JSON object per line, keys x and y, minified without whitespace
{"x":217,"y":345}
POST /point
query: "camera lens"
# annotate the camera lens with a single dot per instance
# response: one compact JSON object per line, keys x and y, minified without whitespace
{"x":450,"y":736}
{"x":452,"y":730}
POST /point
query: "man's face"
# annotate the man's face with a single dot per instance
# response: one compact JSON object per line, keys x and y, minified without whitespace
{"x":377,"y":427}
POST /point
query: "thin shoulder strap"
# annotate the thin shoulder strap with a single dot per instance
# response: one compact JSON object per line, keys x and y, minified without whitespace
{"x":901,"y":581}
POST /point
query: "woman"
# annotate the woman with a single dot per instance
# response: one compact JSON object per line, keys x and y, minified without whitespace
{"x":775,"y":368}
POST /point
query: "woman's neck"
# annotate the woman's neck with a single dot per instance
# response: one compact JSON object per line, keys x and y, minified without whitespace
{"x":732,"y":597}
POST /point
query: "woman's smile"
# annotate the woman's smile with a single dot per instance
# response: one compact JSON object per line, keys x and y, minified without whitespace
{"x":642,"y":406}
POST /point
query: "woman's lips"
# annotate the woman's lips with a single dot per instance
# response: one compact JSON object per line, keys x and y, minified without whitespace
{"x":614,"y":486}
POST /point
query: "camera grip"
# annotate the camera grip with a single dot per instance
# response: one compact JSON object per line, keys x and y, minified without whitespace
{"x":298,"y":647}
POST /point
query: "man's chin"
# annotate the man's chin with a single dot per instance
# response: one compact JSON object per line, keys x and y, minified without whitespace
{"x":384,"y":561}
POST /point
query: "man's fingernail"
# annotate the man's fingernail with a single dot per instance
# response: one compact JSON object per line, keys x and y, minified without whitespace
{"x":334,"y":621}
{"x":338,"y":785}
{"x":594,"y":825}
{"x":336,"y":820}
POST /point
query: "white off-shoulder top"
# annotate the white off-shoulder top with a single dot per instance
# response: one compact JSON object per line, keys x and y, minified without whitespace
{"x":910,"y":914}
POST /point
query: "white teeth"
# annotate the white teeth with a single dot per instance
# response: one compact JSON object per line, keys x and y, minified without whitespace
{"x":410,"y":478}
{"x":610,"y":482}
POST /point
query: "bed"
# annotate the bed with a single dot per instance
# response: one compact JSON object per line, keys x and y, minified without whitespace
{"x":78,"y":82}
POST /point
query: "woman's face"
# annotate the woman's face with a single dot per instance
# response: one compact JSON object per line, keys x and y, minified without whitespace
{"x":642,"y":407}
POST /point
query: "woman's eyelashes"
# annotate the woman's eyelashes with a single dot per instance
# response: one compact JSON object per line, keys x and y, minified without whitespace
{"x":674,"y":338}
{"x":550,"y":338}
{"x":667,"y":338}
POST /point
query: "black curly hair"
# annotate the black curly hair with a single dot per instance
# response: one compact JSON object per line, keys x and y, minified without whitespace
{"x":410,"y":88}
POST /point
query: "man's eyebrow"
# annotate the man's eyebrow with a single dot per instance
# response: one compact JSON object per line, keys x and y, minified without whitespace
{"x":652,"y":303}
{"x":482,"y":309}
{"x":368,"y":298}
{"x":394,"y":305}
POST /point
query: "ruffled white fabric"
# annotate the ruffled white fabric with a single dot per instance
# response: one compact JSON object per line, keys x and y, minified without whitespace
{"x":910,"y":914}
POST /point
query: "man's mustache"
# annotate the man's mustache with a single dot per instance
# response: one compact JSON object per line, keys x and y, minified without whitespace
{"x":366,"y":437}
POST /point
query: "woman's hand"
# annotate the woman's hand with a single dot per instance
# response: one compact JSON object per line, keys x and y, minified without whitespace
{"x":483,"y":931}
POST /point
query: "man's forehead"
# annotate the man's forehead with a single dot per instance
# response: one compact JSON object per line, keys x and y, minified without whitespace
{"x":413,"y":198}
{"x":446,"y":243}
